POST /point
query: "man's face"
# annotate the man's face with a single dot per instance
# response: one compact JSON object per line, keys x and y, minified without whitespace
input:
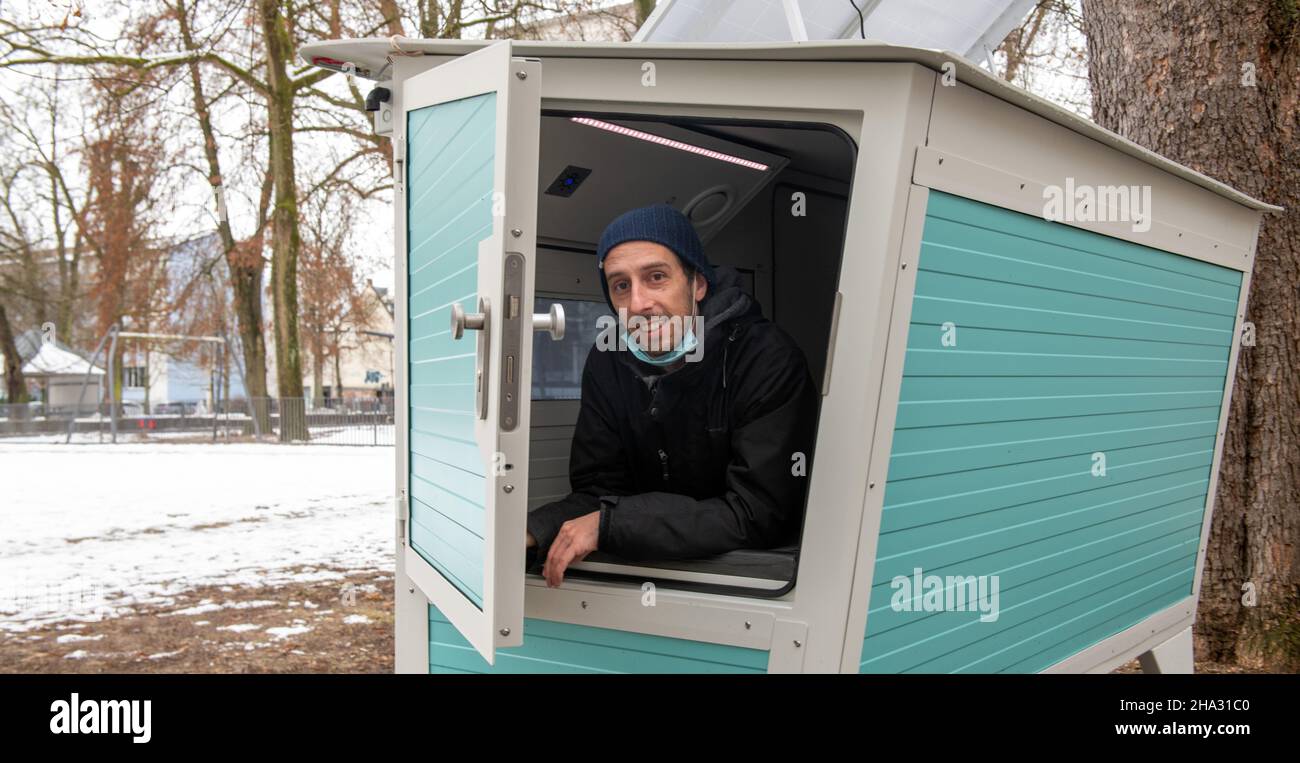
{"x":647,"y":282}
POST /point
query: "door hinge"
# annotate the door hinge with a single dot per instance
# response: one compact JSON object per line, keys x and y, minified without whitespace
{"x":401,"y":516}
{"x":399,"y":160}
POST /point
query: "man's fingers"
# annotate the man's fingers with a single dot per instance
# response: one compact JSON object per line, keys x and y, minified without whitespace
{"x":558,"y":561}
{"x":561,"y":564}
{"x":558,"y":548}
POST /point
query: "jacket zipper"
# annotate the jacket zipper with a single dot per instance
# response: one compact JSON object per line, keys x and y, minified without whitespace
{"x":663,"y":463}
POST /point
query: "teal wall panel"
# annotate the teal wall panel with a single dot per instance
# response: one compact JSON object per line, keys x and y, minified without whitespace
{"x":450,"y":164}
{"x":552,"y":647}
{"x":1067,"y":344}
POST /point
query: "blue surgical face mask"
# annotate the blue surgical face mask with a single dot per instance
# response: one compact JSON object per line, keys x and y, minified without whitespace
{"x":688,"y":343}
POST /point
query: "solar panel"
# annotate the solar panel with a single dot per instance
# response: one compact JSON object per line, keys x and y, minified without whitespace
{"x":961,"y":26}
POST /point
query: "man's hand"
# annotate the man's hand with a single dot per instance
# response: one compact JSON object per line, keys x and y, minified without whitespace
{"x":531,"y":541}
{"x":576,"y":539}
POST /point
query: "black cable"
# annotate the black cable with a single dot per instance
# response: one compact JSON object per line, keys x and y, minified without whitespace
{"x":862,"y":24}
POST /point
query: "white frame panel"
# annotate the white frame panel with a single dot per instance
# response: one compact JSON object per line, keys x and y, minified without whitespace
{"x":945,"y":171}
{"x":493,"y":69}
{"x":999,"y":136}
{"x":894,"y":316}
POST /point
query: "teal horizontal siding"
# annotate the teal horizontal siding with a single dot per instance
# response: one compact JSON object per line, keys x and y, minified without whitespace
{"x":450,"y":161}
{"x":1068,"y":343}
{"x":553,"y":647}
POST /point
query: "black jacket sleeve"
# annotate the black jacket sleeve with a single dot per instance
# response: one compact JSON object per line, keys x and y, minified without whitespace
{"x":775,"y":408}
{"x":599,"y":465}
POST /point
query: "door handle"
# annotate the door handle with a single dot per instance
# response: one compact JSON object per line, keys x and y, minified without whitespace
{"x":460,"y":320}
{"x":552,"y":322}
{"x":480,"y":321}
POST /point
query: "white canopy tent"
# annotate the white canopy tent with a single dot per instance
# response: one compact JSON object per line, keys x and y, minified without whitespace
{"x":51,"y":359}
{"x":58,"y":369}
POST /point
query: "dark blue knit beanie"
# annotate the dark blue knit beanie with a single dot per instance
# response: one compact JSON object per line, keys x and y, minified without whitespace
{"x":662,"y":224}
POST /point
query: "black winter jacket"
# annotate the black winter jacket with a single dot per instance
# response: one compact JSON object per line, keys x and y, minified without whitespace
{"x":708,"y":458}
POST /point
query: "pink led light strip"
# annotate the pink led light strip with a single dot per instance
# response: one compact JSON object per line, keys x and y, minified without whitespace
{"x":669,"y":142}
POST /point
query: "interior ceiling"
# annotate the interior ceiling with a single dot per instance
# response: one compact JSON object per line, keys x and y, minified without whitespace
{"x":816,"y":152}
{"x":628,"y":172}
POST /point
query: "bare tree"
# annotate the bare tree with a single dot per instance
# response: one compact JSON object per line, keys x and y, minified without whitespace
{"x":328,"y":284}
{"x":1047,"y":55}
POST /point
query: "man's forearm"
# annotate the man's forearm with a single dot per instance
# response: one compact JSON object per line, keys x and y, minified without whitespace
{"x":672,"y":526}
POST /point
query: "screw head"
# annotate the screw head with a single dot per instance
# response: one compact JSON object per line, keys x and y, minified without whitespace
{"x":521,"y":74}
{"x":748,"y":625}
{"x":505,"y":631}
{"x":509,"y":488}
{"x":411,"y":589}
{"x":516,"y":232}
{"x":797,"y":643}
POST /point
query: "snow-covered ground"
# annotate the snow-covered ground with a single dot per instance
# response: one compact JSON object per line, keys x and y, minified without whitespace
{"x":320,"y":435}
{"x":89,"y":531}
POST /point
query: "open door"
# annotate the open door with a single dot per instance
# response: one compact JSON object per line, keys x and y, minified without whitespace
{"x":468,"y":182}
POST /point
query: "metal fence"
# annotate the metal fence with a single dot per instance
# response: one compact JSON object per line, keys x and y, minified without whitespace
{"x":347,"y":421}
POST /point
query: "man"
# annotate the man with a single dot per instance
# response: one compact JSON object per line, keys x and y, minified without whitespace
{"x":693,"y":437}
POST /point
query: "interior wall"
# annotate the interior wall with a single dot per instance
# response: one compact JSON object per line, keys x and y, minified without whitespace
{"x":808,"y":240}
{"x":798,"y":257}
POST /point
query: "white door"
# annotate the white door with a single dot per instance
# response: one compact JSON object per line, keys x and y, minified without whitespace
{"x":469,"y":147}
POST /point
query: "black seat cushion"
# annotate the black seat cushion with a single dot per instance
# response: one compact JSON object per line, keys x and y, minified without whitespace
{"x":765,"y":564}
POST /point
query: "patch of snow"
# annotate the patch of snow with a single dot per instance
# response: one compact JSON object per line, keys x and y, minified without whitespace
{"x":198,"y":609}
{"x":356,"y":619}
{"x":91,"y":531}
{"x":161,"y":655}
{"x":287,"y":631}
{"x":239,"y":628}
{"x":251,"y":603}
{"x":69,"y":637}
{"x":77,"y":655}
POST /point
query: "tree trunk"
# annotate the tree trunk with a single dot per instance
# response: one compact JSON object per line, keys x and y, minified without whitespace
{"x":317,"y":376}
{"x":285,"y":241}
{"x":1213,"y":84}
{"x":245,"y":266}
{"x":643,"y":10}
{"x":338,"y":373}
{"x":15,"y":385}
